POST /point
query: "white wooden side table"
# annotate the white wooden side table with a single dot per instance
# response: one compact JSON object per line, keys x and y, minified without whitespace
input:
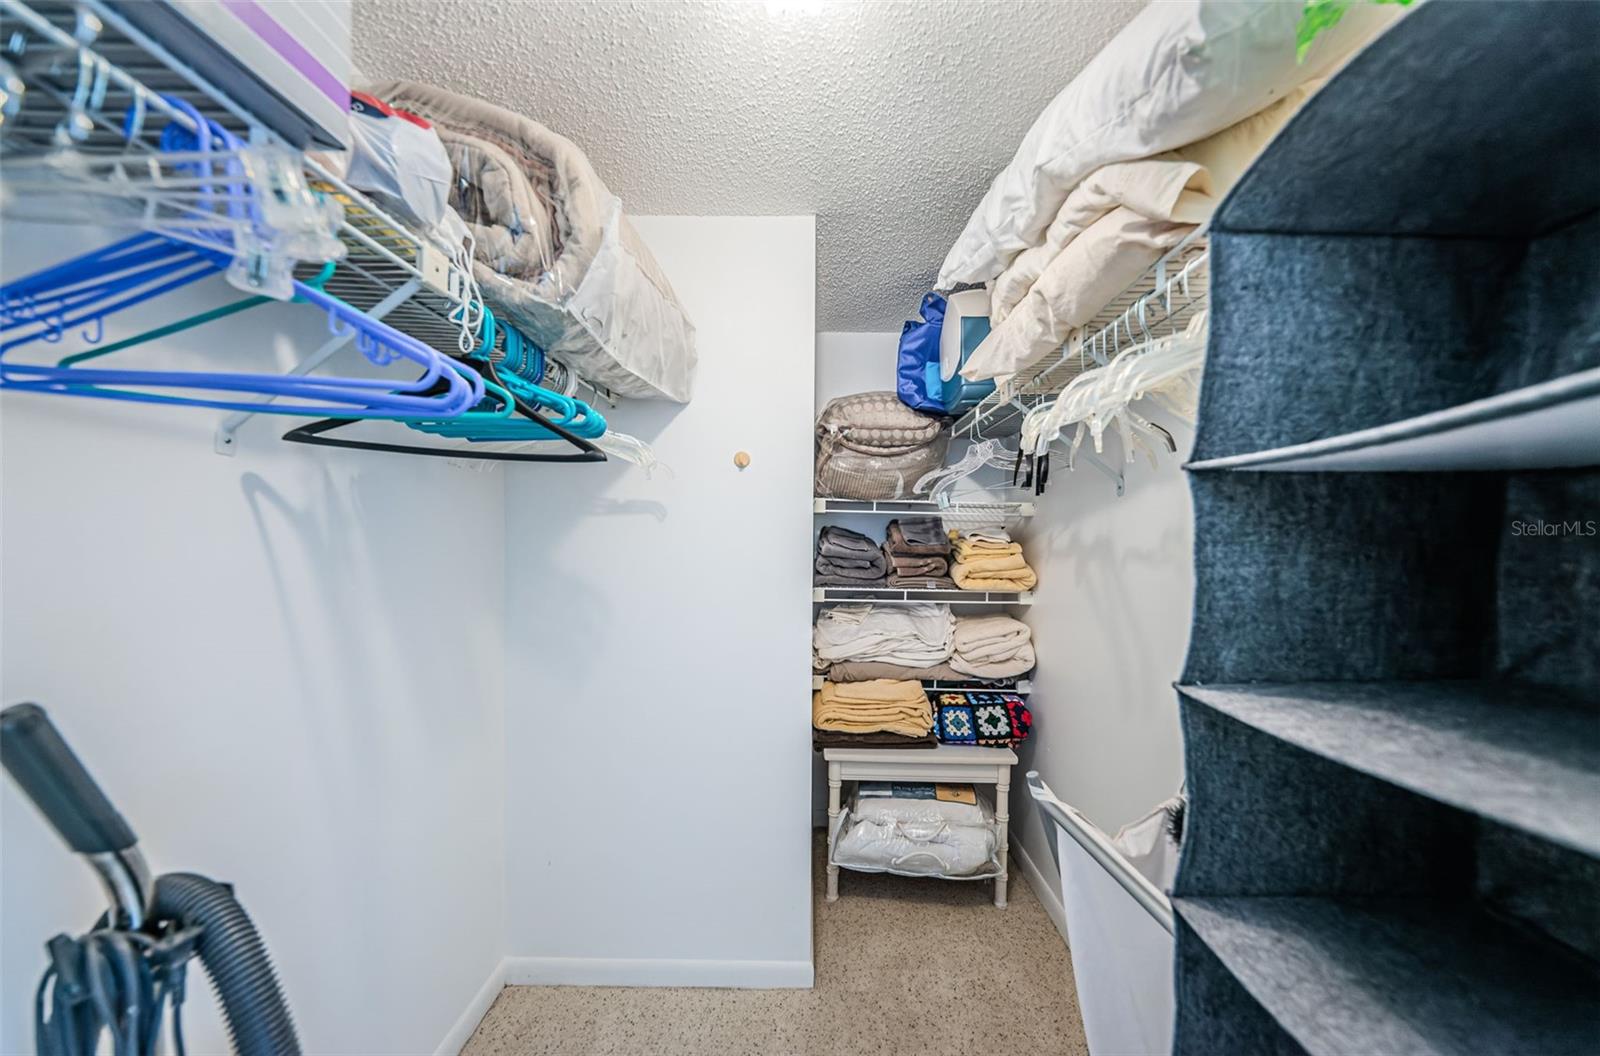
{"x":946,"y":764}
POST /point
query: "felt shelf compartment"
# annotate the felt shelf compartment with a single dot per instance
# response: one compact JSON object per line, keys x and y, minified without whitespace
{"x":1551,"y":424}
{"x":1522,"y":756}
{"x":1389,"y":706}
{"x":1400,"y":975}
{"x":1368,"y":273}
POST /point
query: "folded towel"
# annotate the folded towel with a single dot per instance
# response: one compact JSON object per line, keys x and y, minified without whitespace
{"x":1017,"y":579}
{"x":846,"y":571}
{"x":918,"y":535}
{"x":851,"y":562}
{"x":846,"y":558}
{"x":996,"y":646}
{"x":821,"y":739}
{"x":895,"y":693}
{"x":983,"y":566}
{"x":992,"y":720}
{"x":913,"y":635}
{"x":836,"y":542}
{"x":898,"y":582}
{"x":989,"y":637}
{"x":879,"y":706}
{"x":993,"y":536}
{"x":915,"y":564}
{"x":1014,"y":666}
{"x":865,"y":670}
{"x":969,"y":549}
{"x":821,"y":579}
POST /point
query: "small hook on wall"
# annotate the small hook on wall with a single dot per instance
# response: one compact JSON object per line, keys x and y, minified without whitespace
{"x":741,"y":459}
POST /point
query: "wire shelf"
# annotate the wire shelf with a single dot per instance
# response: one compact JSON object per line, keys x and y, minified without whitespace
{"x":1159,"y":302}
{"x":1022,"y":686}
{"x":49,"y":42}
{"x":1004,"y":511}
{"x":897,"y":596}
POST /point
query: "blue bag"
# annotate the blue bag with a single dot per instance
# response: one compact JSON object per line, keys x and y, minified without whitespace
{"x":917,"y":377}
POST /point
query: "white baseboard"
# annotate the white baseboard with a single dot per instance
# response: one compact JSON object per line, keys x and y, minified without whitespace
{"x":1049,"y":895}
{"x":591,"y":971}
{"x":456,"y":1040}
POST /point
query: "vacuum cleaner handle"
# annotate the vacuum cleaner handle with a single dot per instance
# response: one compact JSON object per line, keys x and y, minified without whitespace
{"x":41,"y":763}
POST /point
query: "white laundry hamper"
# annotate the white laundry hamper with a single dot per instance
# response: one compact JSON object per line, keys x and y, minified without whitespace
{"x":1119,"y":928}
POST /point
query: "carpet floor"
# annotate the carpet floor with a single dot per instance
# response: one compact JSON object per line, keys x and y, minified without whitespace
{"x":903,"y":968}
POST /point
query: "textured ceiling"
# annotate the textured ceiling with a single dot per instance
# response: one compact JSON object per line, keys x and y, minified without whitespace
{"x":887,"y":120}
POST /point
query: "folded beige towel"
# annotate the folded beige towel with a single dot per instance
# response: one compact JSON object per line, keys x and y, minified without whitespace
{"x":968,"y":550}
{"x":1019,"y":664}
{"x":996,"y":646}
{"x":989,"y":636}
{"x":881,"y":705}
{"x":983,"y":565}
{"x":1008,"y":579}
{"x":866,"y":670}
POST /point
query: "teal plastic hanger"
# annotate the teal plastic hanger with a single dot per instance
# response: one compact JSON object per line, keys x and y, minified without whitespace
{"x":501,"y":423}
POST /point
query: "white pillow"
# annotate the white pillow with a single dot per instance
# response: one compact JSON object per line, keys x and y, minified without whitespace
{"x":1095,"y":267}
{"x":1180,"y":71}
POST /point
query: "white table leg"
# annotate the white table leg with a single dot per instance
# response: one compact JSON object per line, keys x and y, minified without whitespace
{"x":1002,"y":817}
{"x":833,"y":817}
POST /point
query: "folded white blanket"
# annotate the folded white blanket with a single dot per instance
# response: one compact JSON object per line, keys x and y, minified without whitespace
{"x":1018,"y":664}
{"x":992,"y":647}
{"x":989,"y":637}
{"x":909,"y":635}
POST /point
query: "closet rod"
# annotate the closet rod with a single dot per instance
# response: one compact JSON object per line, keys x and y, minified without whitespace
{"x":1100,"y":848}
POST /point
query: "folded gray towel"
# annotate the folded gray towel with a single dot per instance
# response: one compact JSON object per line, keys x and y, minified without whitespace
{"x":850,"y":569}
{"x":823,"y":580}
{"x":835,"y":542}
{"x":848,"y":559}
{"x":900,"y":582}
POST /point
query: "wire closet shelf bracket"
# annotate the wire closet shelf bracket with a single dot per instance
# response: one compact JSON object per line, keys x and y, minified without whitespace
{"x":78,"y":69}
{"x":1160,"y":302}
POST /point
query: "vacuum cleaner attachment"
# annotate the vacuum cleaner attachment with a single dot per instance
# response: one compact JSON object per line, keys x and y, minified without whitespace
{"x":120,"y":976}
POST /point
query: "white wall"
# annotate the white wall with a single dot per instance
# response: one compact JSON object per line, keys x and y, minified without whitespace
{"x":658,"y":726}
{"x":286,"y":670}
{"x":1110,"y":623}
{"x":855,"y":362}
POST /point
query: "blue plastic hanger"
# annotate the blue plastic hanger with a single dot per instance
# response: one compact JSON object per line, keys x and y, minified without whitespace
{"x":84,"y":291}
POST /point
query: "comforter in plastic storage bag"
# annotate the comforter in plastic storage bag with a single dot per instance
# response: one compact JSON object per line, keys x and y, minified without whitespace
{"x":918,"y":837}
{"x":872,"y":446}
{"x":554,"y":249}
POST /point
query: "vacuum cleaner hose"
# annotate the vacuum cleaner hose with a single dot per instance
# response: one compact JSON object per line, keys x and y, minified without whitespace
{"x":236,"y":959}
